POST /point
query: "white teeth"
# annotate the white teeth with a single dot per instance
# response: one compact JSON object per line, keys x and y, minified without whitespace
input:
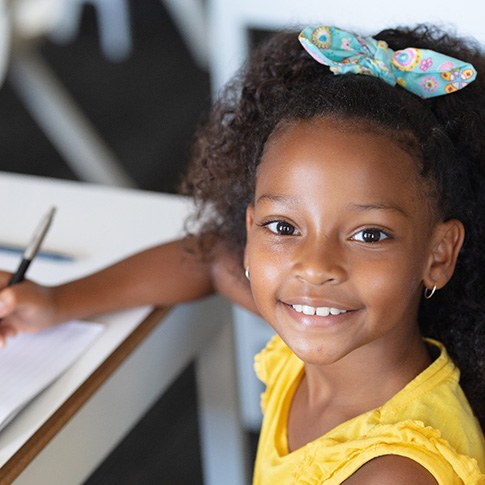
{"x":308,"y":310}
{"x":321,"y":311}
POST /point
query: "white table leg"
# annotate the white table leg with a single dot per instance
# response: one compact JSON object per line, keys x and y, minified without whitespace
{"x":225,"y":455}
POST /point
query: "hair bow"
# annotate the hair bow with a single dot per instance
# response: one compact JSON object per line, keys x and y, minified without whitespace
{"x":421,"y":71}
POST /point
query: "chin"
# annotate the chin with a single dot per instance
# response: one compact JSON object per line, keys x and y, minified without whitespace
{"x":316,"y":356}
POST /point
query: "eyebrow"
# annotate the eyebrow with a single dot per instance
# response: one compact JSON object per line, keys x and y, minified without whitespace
{"x":275,"y":198}
{"x":384,"y":207}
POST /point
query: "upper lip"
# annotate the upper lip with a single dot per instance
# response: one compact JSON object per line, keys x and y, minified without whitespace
{"x":318,"y":303}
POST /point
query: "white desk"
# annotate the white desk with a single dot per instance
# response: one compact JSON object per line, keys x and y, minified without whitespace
{"x":63,"y":435}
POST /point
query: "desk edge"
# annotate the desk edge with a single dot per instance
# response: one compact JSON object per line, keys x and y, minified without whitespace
{"x":40,"y":439}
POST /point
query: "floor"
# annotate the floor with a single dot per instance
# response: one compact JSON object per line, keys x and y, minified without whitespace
{"x":146,"y":109}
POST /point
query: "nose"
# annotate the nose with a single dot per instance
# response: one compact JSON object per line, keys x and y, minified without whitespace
{"x":319,"y":261}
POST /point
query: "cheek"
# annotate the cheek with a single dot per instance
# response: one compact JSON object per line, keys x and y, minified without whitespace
{"x":263,"y":286}
{"x":392,"y":284}
{"x":267,"y":267}
{"x":261,"y":257}
{"x":265,"y":272}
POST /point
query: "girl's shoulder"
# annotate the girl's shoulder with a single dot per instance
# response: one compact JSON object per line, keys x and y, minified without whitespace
{"x":412,"y":445}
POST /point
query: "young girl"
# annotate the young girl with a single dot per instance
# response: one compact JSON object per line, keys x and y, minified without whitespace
{"x":353,"y":198}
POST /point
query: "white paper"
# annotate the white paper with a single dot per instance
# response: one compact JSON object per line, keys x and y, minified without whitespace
{"x":31,"y":362}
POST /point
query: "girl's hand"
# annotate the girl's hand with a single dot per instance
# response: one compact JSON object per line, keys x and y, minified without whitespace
{"x":25,"y":307}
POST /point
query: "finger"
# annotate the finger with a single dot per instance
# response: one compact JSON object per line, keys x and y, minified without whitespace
{"x":7,"y":302}
{"x":7,"y":331}
{"x":4,"y":336}
{"x":4,"y":278}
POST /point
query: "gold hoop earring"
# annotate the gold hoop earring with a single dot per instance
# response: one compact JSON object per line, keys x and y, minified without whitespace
{"x":429,"y":293}
{"x":246,"y":273}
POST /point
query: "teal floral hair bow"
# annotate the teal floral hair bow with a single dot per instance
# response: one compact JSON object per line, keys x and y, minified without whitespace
{"x":423,"y":72}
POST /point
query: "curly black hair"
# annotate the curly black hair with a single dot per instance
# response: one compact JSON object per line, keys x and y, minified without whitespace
{"x":282,"y":83}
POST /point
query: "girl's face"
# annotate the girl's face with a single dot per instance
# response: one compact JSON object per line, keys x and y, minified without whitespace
{"x":340,"y":238}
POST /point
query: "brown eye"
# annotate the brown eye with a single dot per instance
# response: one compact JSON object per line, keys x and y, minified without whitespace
{"x":281,"y":228}
{"x":370,"y":235}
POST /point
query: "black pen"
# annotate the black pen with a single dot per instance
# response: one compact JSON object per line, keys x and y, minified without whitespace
{"x":33,"y":248}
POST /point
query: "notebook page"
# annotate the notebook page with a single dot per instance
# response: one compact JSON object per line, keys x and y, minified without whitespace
{"x":31,"y":362}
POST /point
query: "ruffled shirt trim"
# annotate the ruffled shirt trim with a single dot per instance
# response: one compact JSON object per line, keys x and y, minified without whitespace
{"x":410,"y":438}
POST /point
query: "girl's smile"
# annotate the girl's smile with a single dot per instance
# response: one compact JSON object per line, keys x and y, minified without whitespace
{"x":318,"y":316}
{"x":312,"y":313}
{"x":340,"y":239}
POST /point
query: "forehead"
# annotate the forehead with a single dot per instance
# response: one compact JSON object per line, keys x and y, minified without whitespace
{"x":322,"y":130}
{"x":335,"y":152}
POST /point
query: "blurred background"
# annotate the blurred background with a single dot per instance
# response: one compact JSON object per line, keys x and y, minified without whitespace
{"x":145,"y":108}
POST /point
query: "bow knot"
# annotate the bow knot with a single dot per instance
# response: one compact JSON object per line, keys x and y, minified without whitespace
{"x":421,"y":71}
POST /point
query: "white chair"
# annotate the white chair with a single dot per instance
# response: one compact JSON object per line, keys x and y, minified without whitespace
{"x":113,"y":18}
{"x":49,"y":102}
{"x":190,"y":16}
{"x":5,"y":39}
{"x":229,"y":25}
{"x":24,"y":22}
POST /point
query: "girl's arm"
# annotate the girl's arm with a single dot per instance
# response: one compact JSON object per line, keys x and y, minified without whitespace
{"x":164,"y":275}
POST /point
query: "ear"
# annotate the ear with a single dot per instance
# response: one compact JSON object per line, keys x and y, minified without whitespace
{"x":447,"y":241}
{"x":249,"y":224}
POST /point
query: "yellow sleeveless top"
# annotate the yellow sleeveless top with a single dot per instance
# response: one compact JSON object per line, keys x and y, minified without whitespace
{"x":429,"y":421}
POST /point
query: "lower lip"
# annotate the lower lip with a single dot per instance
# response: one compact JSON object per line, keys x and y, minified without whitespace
{"x":318,"y":321}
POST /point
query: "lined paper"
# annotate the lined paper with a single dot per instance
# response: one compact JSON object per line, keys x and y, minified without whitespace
{"x":31,"y":362}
